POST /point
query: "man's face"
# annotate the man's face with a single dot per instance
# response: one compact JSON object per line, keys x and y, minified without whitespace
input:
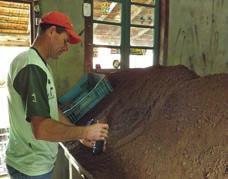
{"x":58,"y":44}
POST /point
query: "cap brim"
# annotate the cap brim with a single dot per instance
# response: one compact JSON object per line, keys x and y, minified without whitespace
{"x":74,"y":38}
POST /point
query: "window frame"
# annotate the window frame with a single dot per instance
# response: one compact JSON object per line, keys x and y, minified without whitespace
{"x":160,"y":34}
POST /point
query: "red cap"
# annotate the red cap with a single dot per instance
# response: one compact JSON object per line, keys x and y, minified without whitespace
{"x":60,"y":19}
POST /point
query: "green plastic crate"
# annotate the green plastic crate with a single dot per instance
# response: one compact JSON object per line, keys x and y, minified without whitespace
{"x":83,"y":96}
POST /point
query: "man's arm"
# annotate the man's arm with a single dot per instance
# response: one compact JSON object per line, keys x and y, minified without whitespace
{"x":64,"y":120}
{"x":51,"y":130}
{"x":30,"y":83}
{"x":86,"y":142}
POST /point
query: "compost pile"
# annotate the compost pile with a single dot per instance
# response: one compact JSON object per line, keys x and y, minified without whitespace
{"x":165,"y":122}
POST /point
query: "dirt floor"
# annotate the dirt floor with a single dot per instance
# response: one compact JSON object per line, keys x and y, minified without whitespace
{"x":165,"y":123}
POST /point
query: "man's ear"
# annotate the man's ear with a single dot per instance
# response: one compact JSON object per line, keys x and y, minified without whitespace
{"x":51,"y":30}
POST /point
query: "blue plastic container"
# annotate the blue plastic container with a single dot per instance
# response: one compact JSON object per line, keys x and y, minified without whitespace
{"x":84,"y":95}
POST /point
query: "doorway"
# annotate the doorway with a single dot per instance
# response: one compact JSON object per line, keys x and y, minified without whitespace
{"x":8,"y":53}
{"x":15,"y":37}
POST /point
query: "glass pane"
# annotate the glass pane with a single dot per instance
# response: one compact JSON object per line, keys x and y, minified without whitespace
{"x":141,"y":58}
{"x":142,"y":15}
{"x":151,"y":2}
{"x":106,"y":58}
{"x":104,"y":34}
{"x":106,"y":11}
{"x":142,"y":37}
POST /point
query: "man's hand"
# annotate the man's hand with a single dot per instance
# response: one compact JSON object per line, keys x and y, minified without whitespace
{"x":87,"y":143}
{"x":90,"y":143}
{"x":98,"y":131}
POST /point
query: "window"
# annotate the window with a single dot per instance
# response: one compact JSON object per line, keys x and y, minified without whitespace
{"x":121,"y":34}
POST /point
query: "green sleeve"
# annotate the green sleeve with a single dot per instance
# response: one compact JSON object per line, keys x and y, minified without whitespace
{"x":31,"y":83}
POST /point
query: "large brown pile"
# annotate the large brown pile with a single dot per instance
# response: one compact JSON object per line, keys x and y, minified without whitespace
{"x":165,"y":122}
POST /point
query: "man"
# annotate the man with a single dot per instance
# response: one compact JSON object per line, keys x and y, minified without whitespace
{"x":35,"y":125}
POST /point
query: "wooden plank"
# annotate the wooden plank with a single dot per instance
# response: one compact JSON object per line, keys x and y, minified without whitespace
{"x":14,"y":5}
{"x":13,"y":31}
{"x":15,"y":40}
{"x":14,"y":26}
{"x":14,"y":12}
{"x":15,"y":43}
{"x":14,"y":20}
